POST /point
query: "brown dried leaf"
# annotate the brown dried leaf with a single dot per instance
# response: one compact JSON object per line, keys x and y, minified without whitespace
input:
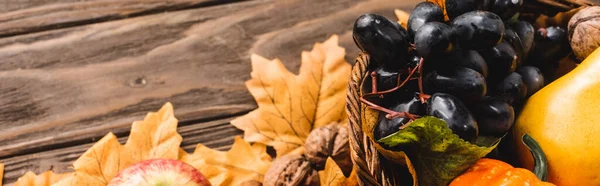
{"x":242,"y":163}
{"x":289,"y":105}
{"x":44,"y":179}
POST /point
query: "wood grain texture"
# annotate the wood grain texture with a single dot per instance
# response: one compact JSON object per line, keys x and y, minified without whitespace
{"x":13,"y":5}
{"x":46,"y":15}
{"x":63,"y":89}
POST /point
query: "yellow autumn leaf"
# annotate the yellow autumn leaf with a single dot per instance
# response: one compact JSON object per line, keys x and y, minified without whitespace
{"x":243,"y":162}
{"x":289,"y":105}
{"x":44,"y":179}
{"x":402,"y":18}
{"x":154,"y":137}
{"x":1,"y":173}
{"x":332,"y":175}
{"x":352,"y":180}
{"x":98,"y":164}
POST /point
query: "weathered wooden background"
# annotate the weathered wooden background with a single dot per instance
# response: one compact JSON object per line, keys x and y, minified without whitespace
{"x":73,"y":70}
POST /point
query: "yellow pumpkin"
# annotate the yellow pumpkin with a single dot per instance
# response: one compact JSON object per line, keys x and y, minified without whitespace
{"x":564,"y":118}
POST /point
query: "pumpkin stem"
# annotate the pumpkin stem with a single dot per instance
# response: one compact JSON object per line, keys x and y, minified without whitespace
{"x":540,"y":168}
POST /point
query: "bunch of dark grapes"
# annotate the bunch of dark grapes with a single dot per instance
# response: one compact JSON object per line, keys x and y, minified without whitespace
{"x":473,"y":71}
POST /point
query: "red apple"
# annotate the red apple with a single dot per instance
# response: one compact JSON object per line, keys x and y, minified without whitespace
{"x":159,"y":172}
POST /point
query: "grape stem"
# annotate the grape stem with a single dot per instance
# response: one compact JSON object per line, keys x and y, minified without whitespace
{"x":422,"y":96}
{"x":543,"y":32}
{"x":374,"y":82}
{"x":375,"y":93}
{"x":390,"y":113}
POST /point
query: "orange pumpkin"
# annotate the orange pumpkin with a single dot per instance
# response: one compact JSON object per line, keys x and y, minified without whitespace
{"x":490,"y":172}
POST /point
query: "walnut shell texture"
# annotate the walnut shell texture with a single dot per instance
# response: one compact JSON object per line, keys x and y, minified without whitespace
{"x":584,"y":31}
{"x":329,"y":141}
{"x":291,"y":170}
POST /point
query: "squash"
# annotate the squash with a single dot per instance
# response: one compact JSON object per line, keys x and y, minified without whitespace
{"x":490,"y":172}
{"x":563,"y":119}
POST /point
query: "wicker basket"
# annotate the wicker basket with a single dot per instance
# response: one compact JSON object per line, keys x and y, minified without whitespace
{"x":372,"y":167}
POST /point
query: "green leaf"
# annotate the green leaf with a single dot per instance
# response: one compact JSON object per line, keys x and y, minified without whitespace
{"x":437,"y":154}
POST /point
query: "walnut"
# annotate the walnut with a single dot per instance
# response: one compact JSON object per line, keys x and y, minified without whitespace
{"x":329,"y":141}
{"x":291,"y":170}
{"x":584,"y":28}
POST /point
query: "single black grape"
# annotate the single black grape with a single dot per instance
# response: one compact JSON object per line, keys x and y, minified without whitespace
{"x":414,"y":59}
{"x":433,"y":38}
{"x":494,"y":116}
{"x":551,"y":44}
{"x":512,"y":38}
{"x":387,"y":80}
{"x":526,"y":32}
{"x":506,"y":9}
{"x":454,"y":8}
{"x":385,"y":41}
{"x":453,"y":111}
{"x":478,"y":30}
{"x":466,"y":84}
{"x":423,"y":13}
{"x":501,"y":60}
{"x":437,"y":63}
{"x":532,"y":77}
{"x":386,"y":126}
{"x":470,"y":59}
{"x":512,"y":90}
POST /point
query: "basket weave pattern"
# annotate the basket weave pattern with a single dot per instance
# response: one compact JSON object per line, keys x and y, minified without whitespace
{"x":364,"y":155}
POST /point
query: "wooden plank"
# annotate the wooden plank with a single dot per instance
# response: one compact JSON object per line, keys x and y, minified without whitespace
{"x":12,"y":5}
{"x":71,"y":86}
{"x":37,"y":15}
{"x":215,"y":134}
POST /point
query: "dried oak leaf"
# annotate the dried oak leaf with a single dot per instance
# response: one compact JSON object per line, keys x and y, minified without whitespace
{"x":242,"y":163}
{"x":332,"y":175}
{"x":45,"y":178}
{"x":289,"y":105}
